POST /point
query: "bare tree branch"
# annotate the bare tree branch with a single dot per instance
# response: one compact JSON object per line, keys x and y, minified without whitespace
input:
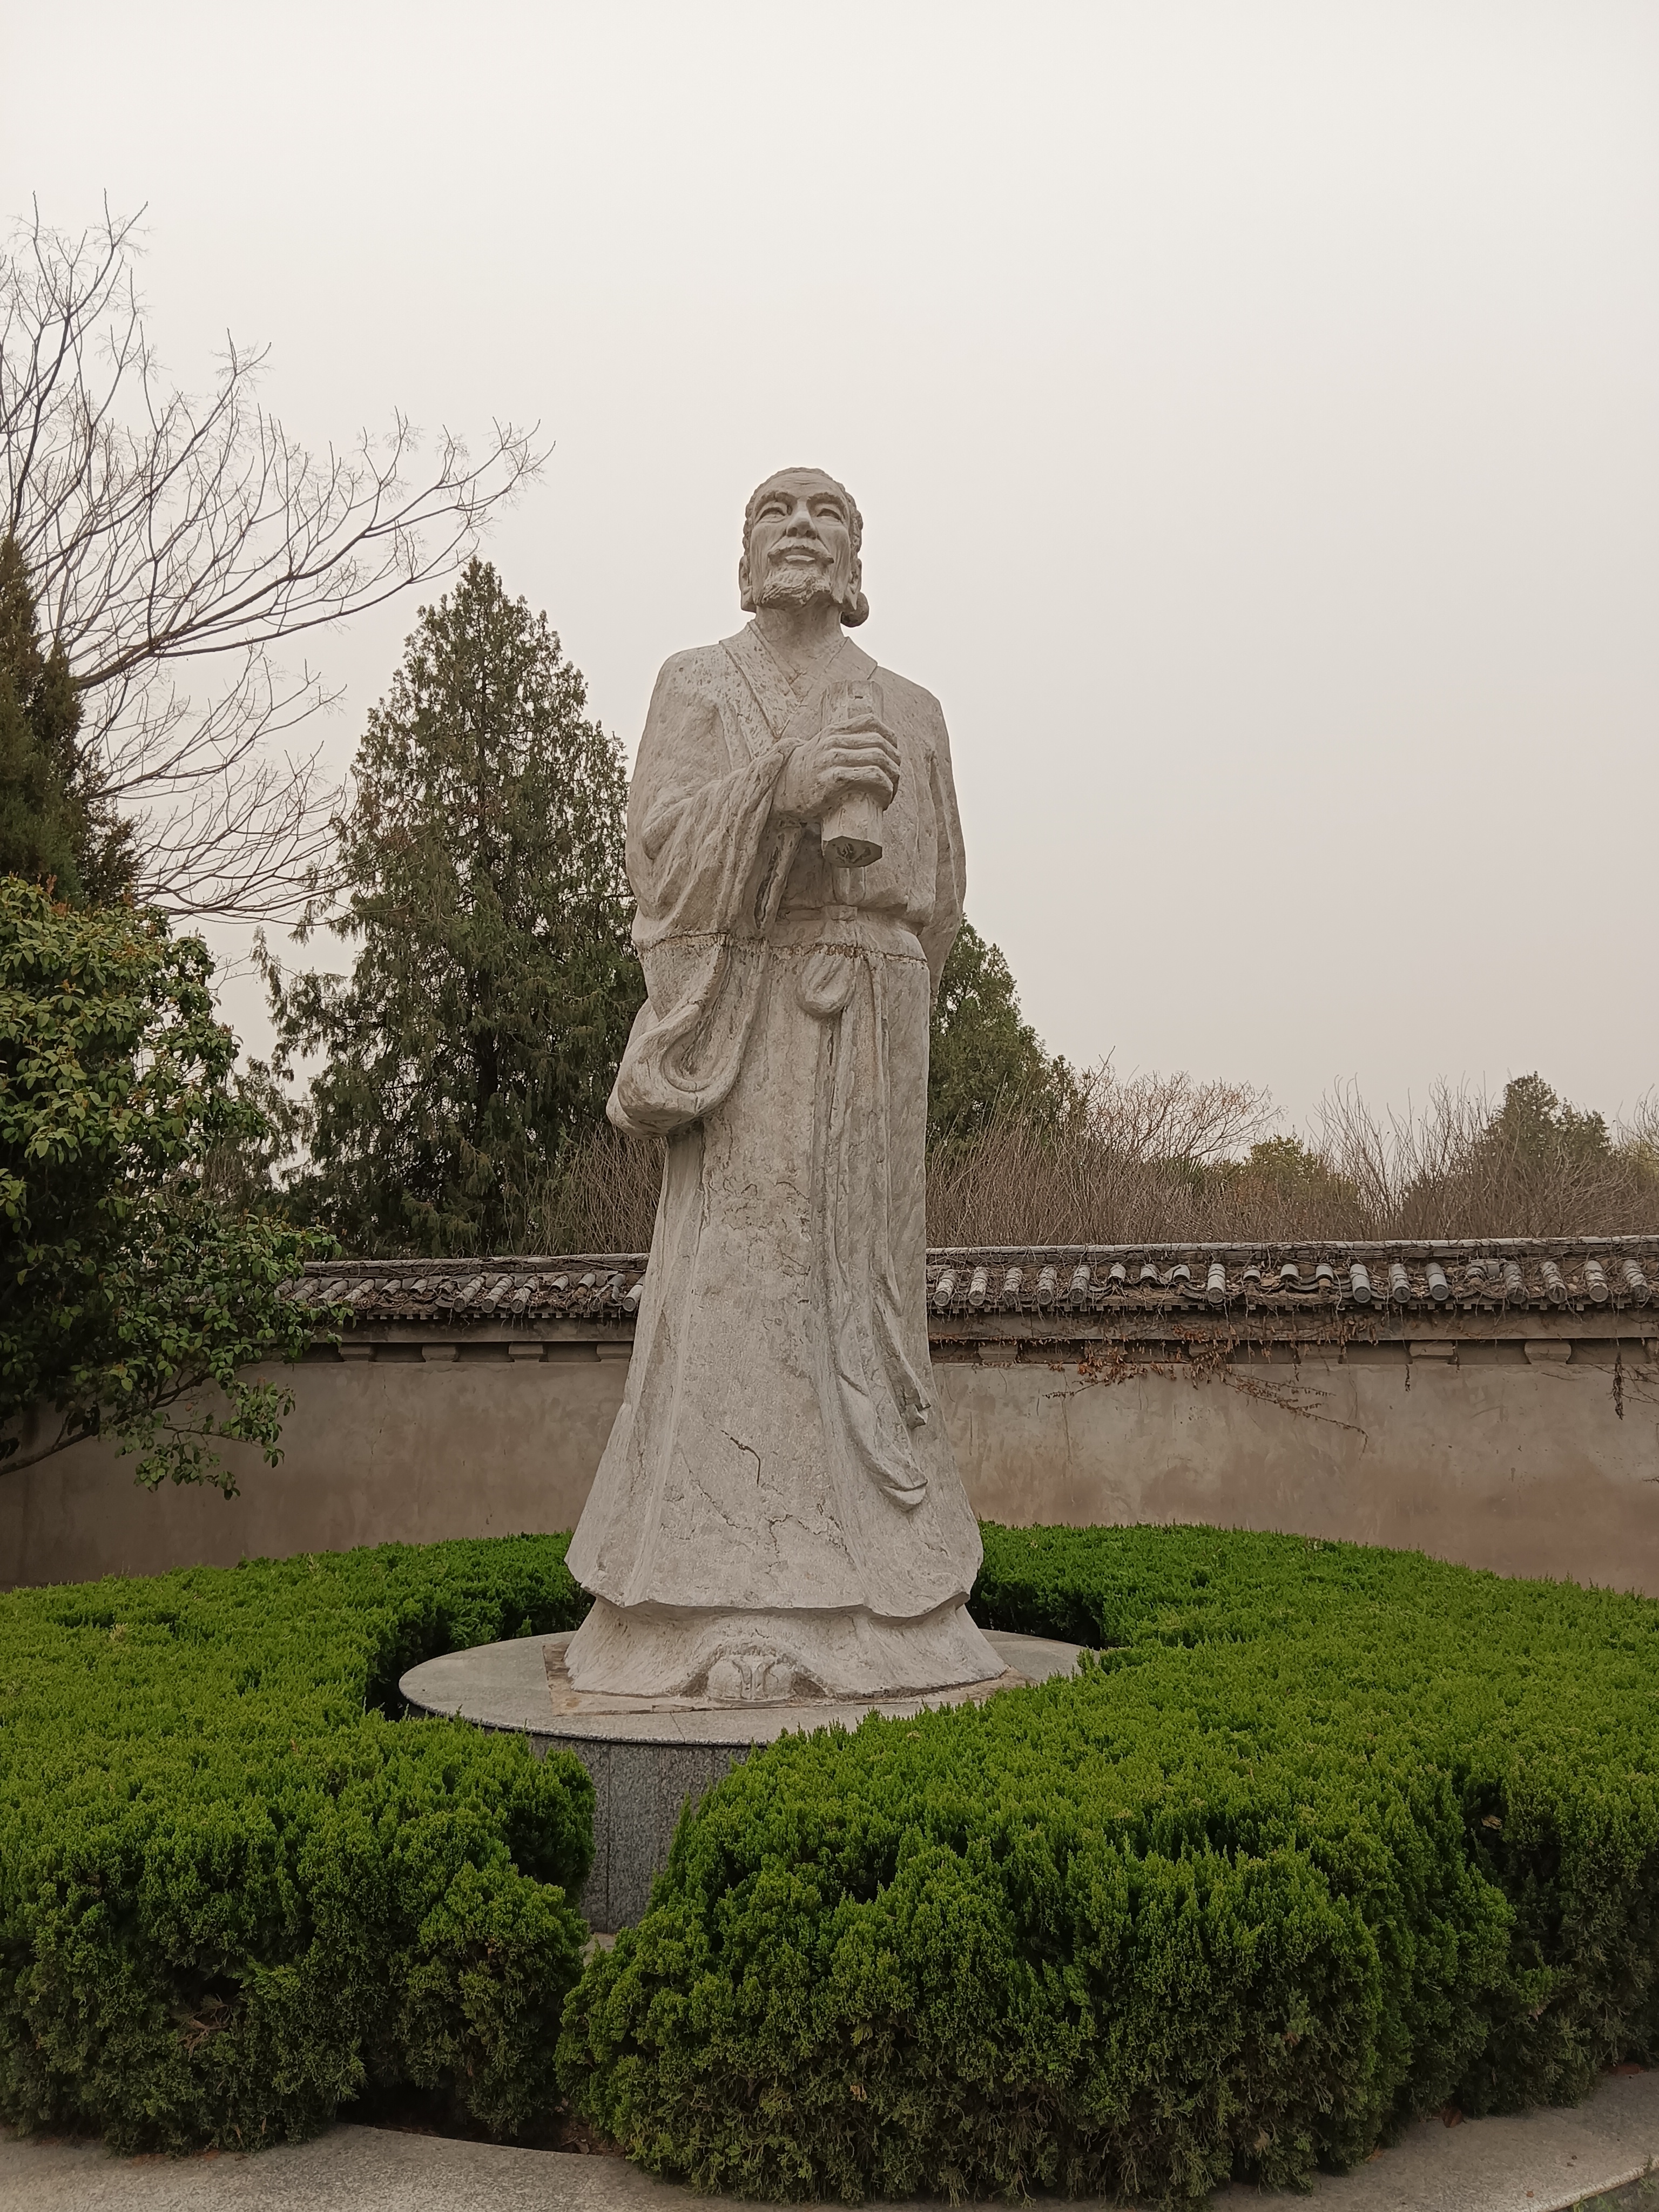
{"x":160,"y":530}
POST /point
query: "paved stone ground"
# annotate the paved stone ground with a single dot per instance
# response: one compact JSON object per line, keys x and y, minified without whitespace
{"x":1590,"y":2155}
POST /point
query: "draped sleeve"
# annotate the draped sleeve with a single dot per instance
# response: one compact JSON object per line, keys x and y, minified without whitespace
{"x":939,"y":932}
{"x":706,"y":860}
{"x":700,"y":831}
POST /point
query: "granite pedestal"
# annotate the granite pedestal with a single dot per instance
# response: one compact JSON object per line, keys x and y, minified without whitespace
{"x":649,"y":1758}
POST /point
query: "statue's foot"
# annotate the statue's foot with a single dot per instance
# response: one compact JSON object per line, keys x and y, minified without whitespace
{"x":753,"y":1674}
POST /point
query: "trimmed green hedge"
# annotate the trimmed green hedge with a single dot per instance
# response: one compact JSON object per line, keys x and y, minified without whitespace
{"x":1326,"y":1837}
{"x":234,"y":1893}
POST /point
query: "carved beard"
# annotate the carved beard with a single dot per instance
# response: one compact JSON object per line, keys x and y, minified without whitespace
{"x":785,"y":587}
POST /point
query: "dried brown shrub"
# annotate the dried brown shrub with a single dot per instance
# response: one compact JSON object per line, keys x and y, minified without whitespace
{"x":1165,"y":1160}
{"x":1120,"y":1163}
{"x":1459,"y":1169}
{"x":1172,"y":1160}
{"x":603,"y":1198}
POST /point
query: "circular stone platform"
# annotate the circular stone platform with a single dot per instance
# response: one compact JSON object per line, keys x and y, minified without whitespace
{"x":647,"y":1758}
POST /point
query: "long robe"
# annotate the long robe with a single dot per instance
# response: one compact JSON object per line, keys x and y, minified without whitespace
{"x":778,"y":1510}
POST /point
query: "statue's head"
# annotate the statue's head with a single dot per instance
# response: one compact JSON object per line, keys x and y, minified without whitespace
{"x":801,"y":535}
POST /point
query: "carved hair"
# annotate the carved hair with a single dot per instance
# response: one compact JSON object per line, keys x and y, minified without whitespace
{"x":856,"y":608}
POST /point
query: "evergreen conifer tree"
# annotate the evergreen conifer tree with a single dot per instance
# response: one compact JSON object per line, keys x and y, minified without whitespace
{"x":495,"y":981}
{"x":984,"y":1058}
{"x":55,"y":826}
{"x":1534,"y":1128}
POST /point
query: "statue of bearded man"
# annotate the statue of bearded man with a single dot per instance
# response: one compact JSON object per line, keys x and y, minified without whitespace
{"x":778,"y":1514}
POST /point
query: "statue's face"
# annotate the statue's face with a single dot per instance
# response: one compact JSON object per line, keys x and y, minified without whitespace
{"x":800,"y":543}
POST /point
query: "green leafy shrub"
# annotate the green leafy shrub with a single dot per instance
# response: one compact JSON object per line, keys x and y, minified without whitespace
{"x":235,"y":1892}
{"x":1322,"y":1838}
{"x":133,"y":1301}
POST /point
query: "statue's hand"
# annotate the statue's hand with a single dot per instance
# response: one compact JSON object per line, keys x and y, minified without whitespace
{"x":822,"y":771}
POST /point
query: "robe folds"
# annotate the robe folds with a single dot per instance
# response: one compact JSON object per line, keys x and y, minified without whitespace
{"x":778,"y":1511}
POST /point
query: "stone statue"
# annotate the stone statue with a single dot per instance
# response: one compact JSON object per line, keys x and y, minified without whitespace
{"x":778,"y":1513}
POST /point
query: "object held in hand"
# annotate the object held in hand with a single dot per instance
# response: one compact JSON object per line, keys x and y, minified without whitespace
{"x":851,"y":833}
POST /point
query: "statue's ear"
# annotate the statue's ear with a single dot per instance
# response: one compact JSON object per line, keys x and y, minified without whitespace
{"x":854,"y":607}
{"x":745,"y":597}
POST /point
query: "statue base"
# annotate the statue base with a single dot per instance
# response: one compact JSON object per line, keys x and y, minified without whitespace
{"x":648,"y":1757}
{"x":708,"y":1657}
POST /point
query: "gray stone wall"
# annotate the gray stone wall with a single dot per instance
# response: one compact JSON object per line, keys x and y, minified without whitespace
{"x":1527,"y":1444}
{"x":1478,"y":1453}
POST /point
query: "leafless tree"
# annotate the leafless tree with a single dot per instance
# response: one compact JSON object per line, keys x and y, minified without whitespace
{"x":178,"y":547}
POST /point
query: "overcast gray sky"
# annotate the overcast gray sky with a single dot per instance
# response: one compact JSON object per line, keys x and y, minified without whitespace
{"x":1252,"y":406}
